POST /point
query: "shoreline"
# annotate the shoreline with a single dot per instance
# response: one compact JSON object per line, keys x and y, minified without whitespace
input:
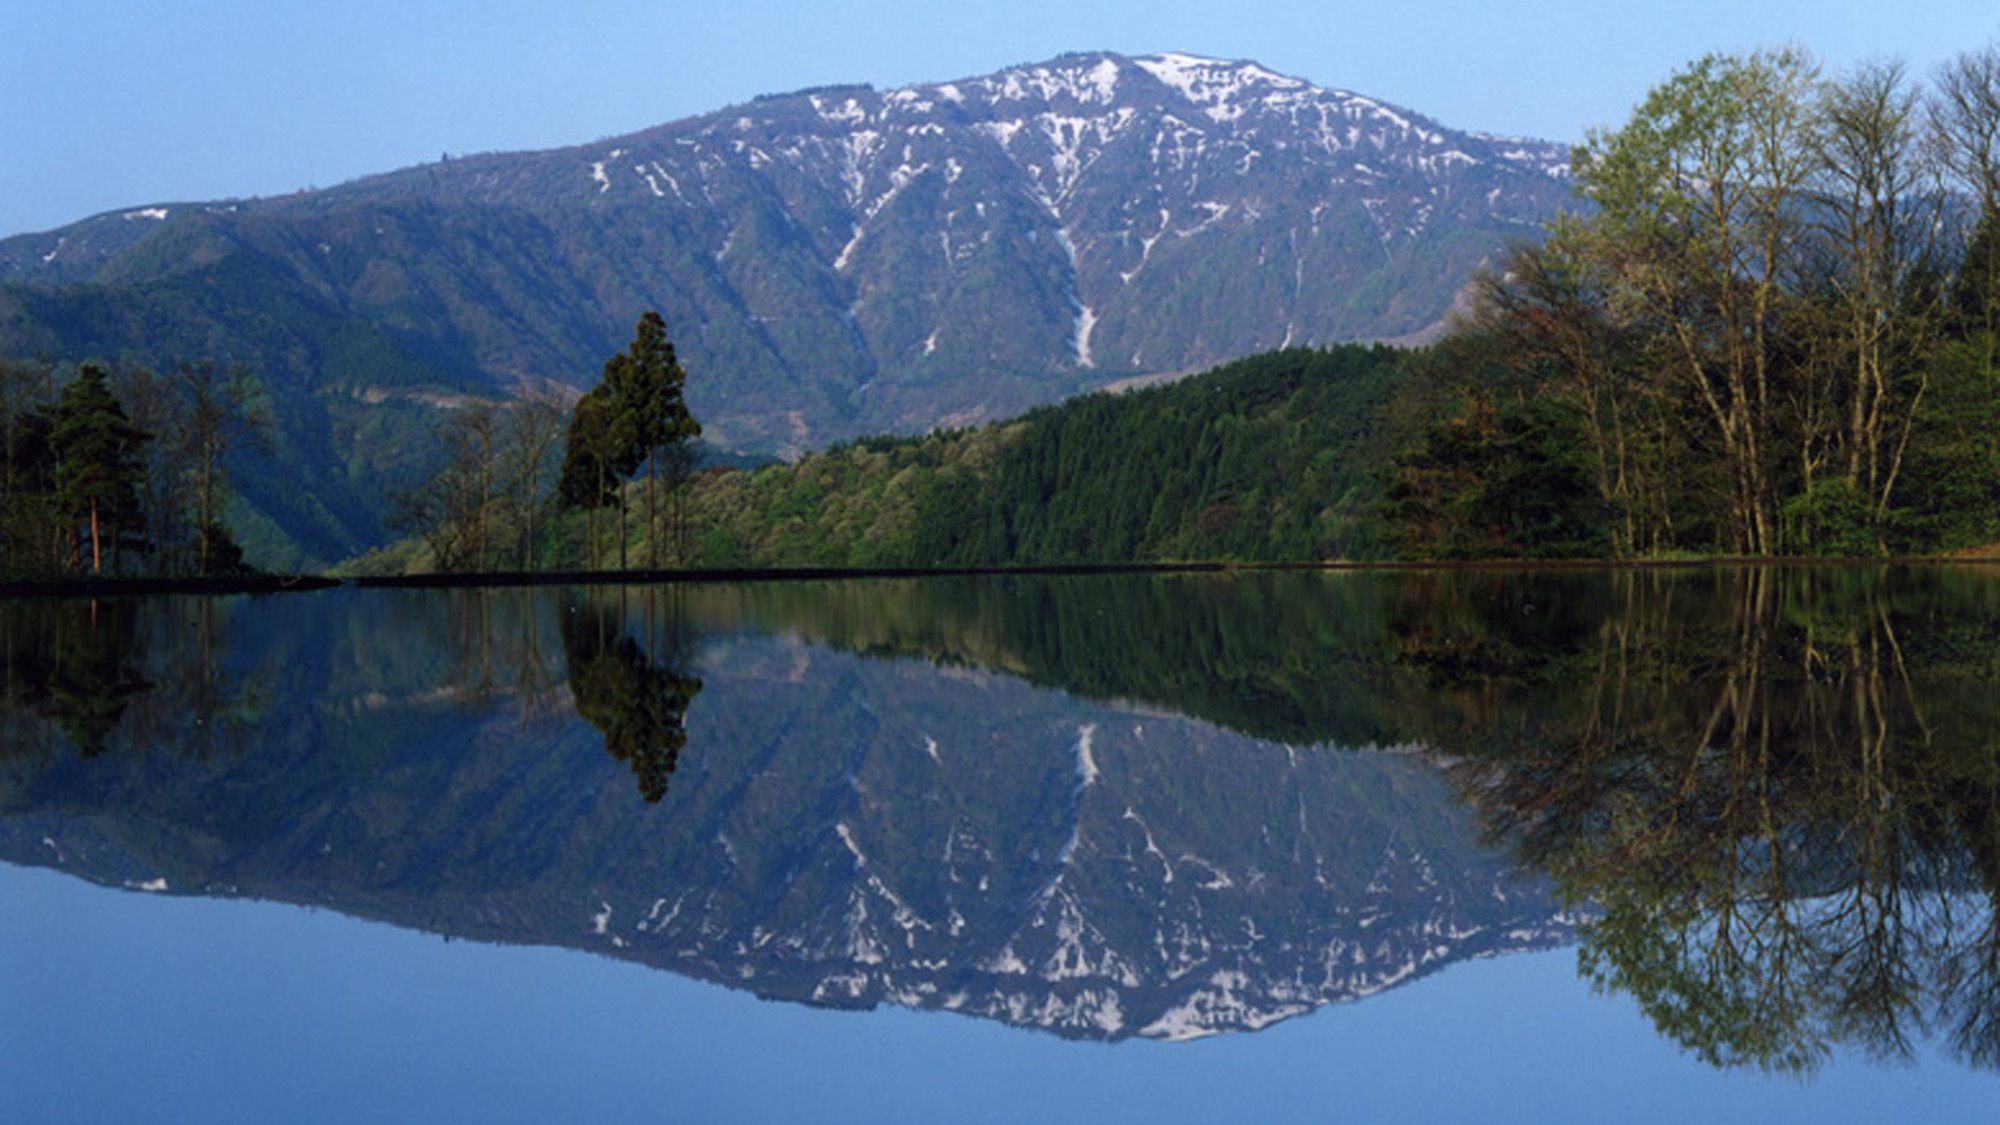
{"x":265,"y":584}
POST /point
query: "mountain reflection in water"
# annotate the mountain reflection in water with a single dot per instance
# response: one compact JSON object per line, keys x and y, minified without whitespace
{"x":1769,"y":796}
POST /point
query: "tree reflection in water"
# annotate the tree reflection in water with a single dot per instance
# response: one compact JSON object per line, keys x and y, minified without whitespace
{"x":1775,"y":792}
{"x":1780,"y":793}
{"x":114,"y":674}
{"x":133,"y":675}
{"x":635,"y":694}
{"x":76,"y":663}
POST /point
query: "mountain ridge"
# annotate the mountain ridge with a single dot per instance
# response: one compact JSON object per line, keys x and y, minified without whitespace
{"x":837,"y":261}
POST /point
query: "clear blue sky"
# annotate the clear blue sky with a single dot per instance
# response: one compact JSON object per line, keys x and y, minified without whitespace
{"x":108,"y":104}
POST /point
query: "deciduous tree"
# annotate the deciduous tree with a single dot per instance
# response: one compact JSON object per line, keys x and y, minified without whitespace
{"x":219,"y":413}
{"x":1699,"y":218}
{"x":533,"y":429}
{"x":455,"y":509}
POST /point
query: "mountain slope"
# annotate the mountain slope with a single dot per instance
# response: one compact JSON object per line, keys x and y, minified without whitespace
{"x":844,"y":261}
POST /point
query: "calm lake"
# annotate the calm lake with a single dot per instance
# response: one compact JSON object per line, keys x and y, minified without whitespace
{"x":1494,"y":845}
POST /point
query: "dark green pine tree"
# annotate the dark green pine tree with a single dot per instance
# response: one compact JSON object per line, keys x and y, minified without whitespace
{"x":97,"y":466}
{"x":634,"y":415}
{"x":649,"y":388}
{"x":1973,"y":306}
{"x":30,"y":532}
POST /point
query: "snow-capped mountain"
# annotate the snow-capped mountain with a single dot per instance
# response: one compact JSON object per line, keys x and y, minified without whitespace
{"x":831,"y":262}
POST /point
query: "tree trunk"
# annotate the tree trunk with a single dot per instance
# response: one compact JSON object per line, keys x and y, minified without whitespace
{"x":652,"y":515}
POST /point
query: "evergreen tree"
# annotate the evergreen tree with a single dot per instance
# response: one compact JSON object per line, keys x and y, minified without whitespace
{"x":661,"y":427}
{"x":1495,"y":482}
{"x":1973,"y":303}
{"x":635,"y":415}
{"x":97,"y":467}
{"x":634,"y":695}
{"x":28,"y":533}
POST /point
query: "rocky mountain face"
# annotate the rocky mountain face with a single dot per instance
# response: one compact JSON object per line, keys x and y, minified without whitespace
{"x":830,"y":263}
{"x":838,"y":830}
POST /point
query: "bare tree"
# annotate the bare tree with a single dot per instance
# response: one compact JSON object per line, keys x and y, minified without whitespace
{"x":1965,"y":125}
{"x":534,"y":432}
{"x":1880,"y":197}
{"x":454,"y":510}
{"x":219,"y":413}
{"x":1965,"y":121}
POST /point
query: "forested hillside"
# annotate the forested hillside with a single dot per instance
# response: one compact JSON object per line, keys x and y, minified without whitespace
{"x":1266,"y":459}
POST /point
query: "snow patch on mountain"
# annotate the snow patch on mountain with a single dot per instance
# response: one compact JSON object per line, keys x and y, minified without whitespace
{"x":1086,"y":323}
{"x":1086,"y":765}
{"x":1218,"y":87}
{"x":837,"y":230}
{"x":1085,"y":316}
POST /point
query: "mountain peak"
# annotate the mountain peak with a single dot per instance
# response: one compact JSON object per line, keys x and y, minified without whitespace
{"x":1216,"y":82}
{"x":1222,"y":88}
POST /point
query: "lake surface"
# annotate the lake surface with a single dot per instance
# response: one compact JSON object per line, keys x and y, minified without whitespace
{"x":1294,"y":846}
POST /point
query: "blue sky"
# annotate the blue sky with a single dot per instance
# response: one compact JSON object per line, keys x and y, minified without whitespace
{"x":111,"y":104}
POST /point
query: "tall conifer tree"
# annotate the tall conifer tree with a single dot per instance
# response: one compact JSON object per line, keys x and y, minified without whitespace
{"x":97,"y":473}
{"x":633,"y":416}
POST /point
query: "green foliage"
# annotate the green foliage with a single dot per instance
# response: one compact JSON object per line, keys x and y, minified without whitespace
{"x":956,"y":299}
{"x":634,"y":415}
{"x":457,"y":778}
{"x":597,"y":453}
{"x":108,"y":467}
{"x":638,"y":700}
{"x":315,"y":488}
{"x":77,"y":663}
{"x":1269,"y":459}
{"x":1974,"y":300}
{"x":1505,"y":482}
{"x":1830,"y":518}
{"x":28,"y":536}
{"x":1774,"y":787}
{"x":1950,"y":496}
{"x":97,"y":470}
{"x":1769,"y":793}
{"x":1770,"y":333}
